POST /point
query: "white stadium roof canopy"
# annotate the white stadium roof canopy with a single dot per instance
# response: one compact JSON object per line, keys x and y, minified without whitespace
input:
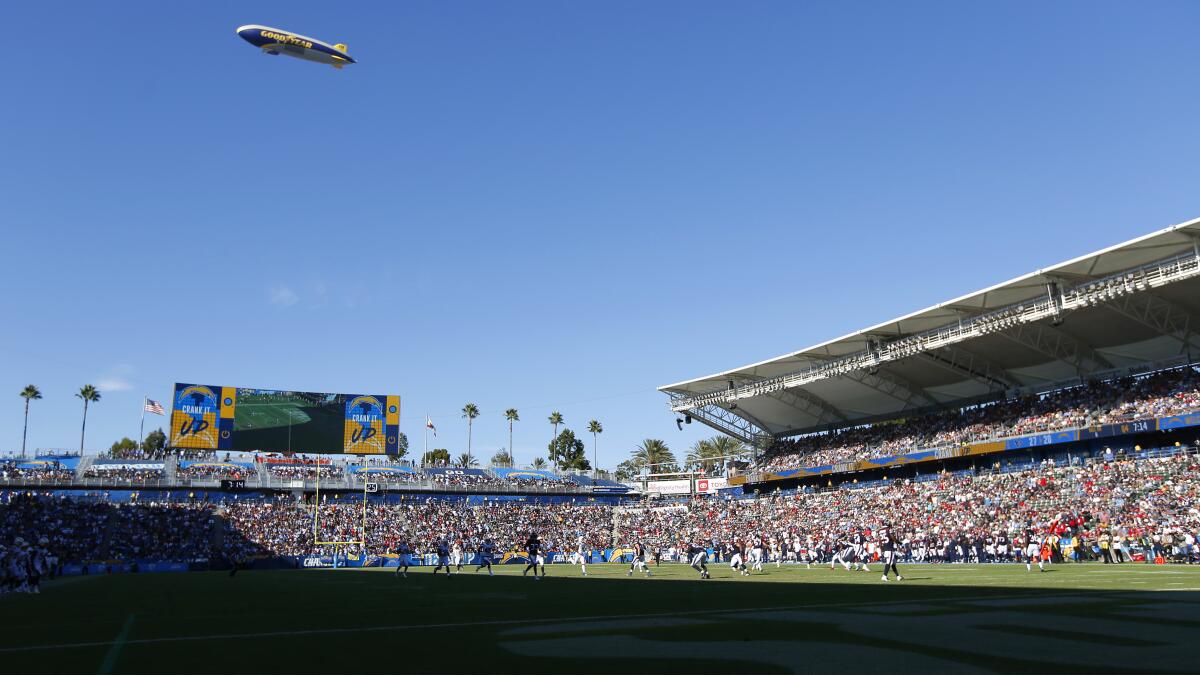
{"x":1128,"y":308}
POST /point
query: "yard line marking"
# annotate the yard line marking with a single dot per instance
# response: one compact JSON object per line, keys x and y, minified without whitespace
{"x":110,"y":659}
{"x":495,"y":622}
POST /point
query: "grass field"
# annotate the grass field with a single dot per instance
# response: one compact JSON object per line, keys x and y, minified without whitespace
{"x":964,"y":618}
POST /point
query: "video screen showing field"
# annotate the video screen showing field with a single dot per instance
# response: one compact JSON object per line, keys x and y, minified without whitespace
{"x":282,"y":421}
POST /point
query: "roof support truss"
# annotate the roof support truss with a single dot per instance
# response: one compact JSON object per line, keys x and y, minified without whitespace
{"x":967,"y":363}
{"x":898,"y":388}
{"x":1058,"y":344}
{"x":731,"y":423}
{"x":1159,"y":314}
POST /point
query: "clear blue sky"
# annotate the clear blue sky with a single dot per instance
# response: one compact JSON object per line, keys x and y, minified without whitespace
{"x":548,"y":205}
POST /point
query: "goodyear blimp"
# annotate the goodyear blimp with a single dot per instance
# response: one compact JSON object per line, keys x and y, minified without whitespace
{"x":275,"y":41}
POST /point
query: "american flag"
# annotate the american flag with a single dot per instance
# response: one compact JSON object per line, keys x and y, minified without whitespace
{"x":155,"y":407}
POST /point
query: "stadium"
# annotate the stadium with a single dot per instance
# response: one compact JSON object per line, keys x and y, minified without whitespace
{"x":557,"y":207}
{"x":1048,"y":423}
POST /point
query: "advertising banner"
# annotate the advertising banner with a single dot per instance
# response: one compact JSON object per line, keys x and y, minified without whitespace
{"x":708,"y":486}
{"x":669,"y":487}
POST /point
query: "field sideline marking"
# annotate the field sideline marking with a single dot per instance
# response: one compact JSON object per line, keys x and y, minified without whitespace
{"x":110,"y":659}
{"x":500,"y":622}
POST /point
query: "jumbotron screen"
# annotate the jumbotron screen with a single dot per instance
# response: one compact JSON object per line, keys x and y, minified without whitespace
{"x":228,"y":418}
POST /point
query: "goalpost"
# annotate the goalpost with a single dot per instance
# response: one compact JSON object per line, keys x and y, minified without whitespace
{"x":318,"y":541}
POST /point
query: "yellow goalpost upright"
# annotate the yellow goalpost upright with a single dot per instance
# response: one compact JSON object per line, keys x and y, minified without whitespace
{"x":317,"y":541}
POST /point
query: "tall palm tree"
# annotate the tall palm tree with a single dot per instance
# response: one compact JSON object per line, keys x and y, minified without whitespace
{"x":656,"y":456}
{"x":89,"y":394}
{"x":727,"y":448}
{"x":713,"y":453}
{"x":700,"y":453}
{"x":29,"y":393}
{"x":539,"y":463}
{"x":512,"y":416}
{"x":466,"y":461}
{"x":470,"y":411}
{"x":556,"y":419}
{"x":596,"y":429}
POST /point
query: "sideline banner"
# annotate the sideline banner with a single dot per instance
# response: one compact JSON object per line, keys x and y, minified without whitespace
{"x":669,"y":487}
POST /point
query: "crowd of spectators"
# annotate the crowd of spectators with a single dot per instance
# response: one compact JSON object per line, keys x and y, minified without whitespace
{"x":306,"y":471}
{"x":147,"y":455}
{"x":1157,"y":395}
{"x":175,"y":531}
{"x":390,"y":477}
{"x":555,"y":483}
{"x":1141,"y":503}
{"x":213,"y":472}
{"x":1114,"y":509}
{"x":50,"y":474}
{"x":125,"y":475}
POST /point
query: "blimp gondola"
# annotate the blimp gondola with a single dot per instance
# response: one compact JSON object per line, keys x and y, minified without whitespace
{"x":275,"y":41}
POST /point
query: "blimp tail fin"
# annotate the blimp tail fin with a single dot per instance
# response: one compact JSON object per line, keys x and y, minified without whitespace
{"x":341,"y":48}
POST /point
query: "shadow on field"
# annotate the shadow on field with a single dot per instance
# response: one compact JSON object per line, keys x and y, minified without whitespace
{"x":939,"y":619}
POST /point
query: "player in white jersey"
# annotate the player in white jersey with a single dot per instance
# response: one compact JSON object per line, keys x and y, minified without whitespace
{"x":456,"y":555}
{"x":579,"y":557}
{"x":756,"y":555}
{"x":860,"y":552}
{"x":737,"y":559}
{"x":1033,"y":551}
{"x":843,"y":552}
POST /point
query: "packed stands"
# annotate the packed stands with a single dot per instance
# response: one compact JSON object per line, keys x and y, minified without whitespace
{"x":128,"y":472}
{"x":950,"y":518}
{"x":1142,"y":506}
{"x":1161,"y":394}
{"x":213,"y":470}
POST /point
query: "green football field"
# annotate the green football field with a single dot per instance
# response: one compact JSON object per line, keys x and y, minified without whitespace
{"x":961,"y":618}
{"x":281,"y":425}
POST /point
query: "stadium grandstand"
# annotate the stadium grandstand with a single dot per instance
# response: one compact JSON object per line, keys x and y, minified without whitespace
{"x":1093,"y":355}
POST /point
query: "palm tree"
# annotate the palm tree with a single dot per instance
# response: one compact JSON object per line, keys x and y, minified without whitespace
{"x":654,"y":454}
{"x":29,"y":393}
{"x":700,"y":453}
{"x":727,"y":448}
{"x":469,"y":411}
{"x":466,"y":461}
{"x":539,"y":463}
{"x":89,"y":394}
{"x":713,"y":453}
{"x":595,"y":428}
{"x":512,"y":416}
{"x":556,"y":419}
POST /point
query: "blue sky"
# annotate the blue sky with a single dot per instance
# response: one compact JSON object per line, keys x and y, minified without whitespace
{"x":548,"y":205}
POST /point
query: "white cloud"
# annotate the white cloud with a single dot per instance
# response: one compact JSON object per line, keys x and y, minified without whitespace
{"x":111,"y":384}
{"x":283,"y":296}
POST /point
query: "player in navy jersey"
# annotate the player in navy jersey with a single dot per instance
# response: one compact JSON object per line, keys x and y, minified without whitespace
{"x":887,"y":553}
{"x":699,"y":559}
{"x":639,"y":560}
{"x":486,"y":550}
{"x":533,"y":548}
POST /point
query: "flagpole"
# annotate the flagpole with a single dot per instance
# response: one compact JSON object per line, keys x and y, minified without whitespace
{"x":425,"y":457}
{"x":142,"y":426}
